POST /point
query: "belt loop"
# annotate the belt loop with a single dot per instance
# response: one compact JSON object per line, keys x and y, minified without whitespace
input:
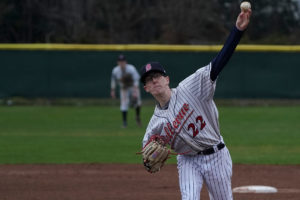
{"x":215,"y":148}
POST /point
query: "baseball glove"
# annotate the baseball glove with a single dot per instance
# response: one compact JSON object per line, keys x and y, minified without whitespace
{"x":155,"y":154}
{"x":127,"y":80}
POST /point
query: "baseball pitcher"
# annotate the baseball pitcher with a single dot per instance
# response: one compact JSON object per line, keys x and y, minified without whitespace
{"x":186,"y":120}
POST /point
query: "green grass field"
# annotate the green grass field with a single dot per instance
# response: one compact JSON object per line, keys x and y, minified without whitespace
{"x":93,"y":134}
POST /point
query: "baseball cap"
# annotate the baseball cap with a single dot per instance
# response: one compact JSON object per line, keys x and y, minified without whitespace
{"x":121,"y":57}
{"x":151,"y":67}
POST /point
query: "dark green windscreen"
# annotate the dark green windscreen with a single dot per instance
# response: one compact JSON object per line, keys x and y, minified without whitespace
{"x":87,"y":73}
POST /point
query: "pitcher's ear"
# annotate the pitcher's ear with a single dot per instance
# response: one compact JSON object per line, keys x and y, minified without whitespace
{"x":146,"y":88}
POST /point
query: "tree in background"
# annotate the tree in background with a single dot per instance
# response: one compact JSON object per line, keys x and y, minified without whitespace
{"x":144,"y":21}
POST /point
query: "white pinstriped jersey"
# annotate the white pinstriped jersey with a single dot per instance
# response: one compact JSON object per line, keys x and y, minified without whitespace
{"x":190,"y":123}
{"x":117,"y":74}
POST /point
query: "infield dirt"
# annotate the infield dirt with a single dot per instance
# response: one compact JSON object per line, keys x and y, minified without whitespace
{"x":131,"y":182}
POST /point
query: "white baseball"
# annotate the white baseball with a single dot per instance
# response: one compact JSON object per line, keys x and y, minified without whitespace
{"x":245,"y":6}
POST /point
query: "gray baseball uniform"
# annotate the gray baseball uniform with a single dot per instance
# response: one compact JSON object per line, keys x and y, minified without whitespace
{"x":125,"y":93}
{"x":189,"y":124}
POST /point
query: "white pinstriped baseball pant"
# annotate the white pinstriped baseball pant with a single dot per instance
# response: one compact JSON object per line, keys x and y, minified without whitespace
{"x":214,"y":170}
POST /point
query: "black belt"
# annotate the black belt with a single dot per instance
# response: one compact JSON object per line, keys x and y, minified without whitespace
{"x":211,"y":150}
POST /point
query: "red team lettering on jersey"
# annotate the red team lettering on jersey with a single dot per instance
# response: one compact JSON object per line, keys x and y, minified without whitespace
{"x":171,"y":131}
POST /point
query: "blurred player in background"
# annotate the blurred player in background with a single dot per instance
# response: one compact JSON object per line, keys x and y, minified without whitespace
{"x":127,"y":77}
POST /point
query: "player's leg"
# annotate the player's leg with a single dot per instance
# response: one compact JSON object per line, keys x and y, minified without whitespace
{"x":137,"y":115}
{"x":124,"y":99}
{"x":190,"y":178}
{"x":217,"y":175}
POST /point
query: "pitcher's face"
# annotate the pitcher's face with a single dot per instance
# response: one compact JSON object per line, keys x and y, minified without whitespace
{"x":156,"y":83}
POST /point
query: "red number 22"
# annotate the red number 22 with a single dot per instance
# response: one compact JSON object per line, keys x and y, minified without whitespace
{"x":194,"y":128}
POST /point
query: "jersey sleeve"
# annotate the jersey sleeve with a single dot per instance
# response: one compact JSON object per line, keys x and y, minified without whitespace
{"x":200,"y":83}
{"x":226,"y":52}
{"x":154,"y":127}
